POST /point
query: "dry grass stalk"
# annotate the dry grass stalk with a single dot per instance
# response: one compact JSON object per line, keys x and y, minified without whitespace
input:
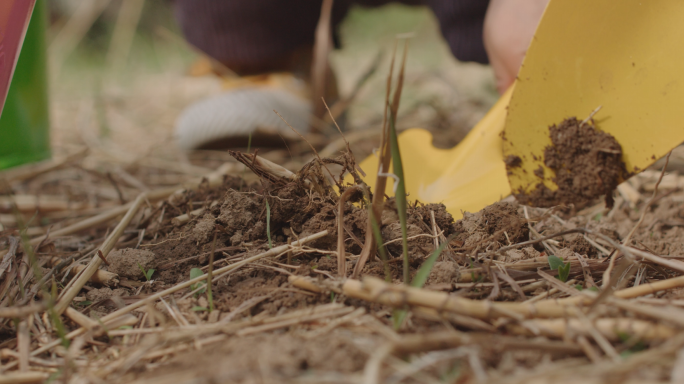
{"x":28,"y":171}
{"x":336,"y":323}
{"x":21,"y":311}
{"x":100,"y":276}
{"x":265,"y":169}
{"x":80,"y":319}
{"x":290,"y":322}
{"x":377,"y":205}
{"x":548,"y":293}
{"x":42,"y":203}
{"x":24,"y":343}
{"x":627,"y":261}
{"x":610,"y":328}
{"x":304,"y":282}
{"x":669,"y":314}
{"x":9,"y":255}
{"x":271,"y":252}
{"x":341,"y":254}
{"x":319,"y":65}
{"x":649,"y":203}
{"x":462,"y":321}
{"x":73,"y":31}
{"x":105,"y":324}
{"x":23,"y":377}
{"x":124,"y":32}
{"x":95,"y":262}
{"x":215,"y":179}
{"x":672,"y":264}
{"x":376,"y":290}
{"x":447,"y":340}
{"x":184,"y":218}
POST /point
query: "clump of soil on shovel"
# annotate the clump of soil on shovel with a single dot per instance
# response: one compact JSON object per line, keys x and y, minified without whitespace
{"x":587,"y":164}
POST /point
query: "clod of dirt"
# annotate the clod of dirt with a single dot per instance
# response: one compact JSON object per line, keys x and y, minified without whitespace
{"x":583,"y":247}
{"x":419,"y":246}
{"x":128,"y":262}
{"x":496,"y":225}
{"x":279,"y":358}
{"x":520,"y":254}
{"x":204,"y":229}
{"x":443,"y":272}
{"x":512,"y":161}
{"x":239,"y":212}
{"x":100,"y":294}
{"x":587,"y":164}
{"x":323,"y":220}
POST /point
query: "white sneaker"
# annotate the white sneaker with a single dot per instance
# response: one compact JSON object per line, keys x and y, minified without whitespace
{"x":230,"y":118}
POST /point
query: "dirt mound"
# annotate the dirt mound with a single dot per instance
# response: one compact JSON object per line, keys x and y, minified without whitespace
{"x":130,"y":263}
{"x":282,"y":358}
{"x":499,"y":224}
{"x":587,"y":164}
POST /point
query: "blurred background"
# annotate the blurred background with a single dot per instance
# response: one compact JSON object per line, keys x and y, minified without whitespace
{"x":119,"y":77}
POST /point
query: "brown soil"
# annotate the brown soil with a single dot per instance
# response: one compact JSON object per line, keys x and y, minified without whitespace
{"x":131,"y":263}
{"x":587,"y":164}
{"x":236,"y":216}
{"x":270,"y":358}
{"x":512,"y":161}
{"x":497,"y":225}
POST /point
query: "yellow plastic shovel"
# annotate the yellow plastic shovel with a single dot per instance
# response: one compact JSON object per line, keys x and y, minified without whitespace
{"x":626,"y":56}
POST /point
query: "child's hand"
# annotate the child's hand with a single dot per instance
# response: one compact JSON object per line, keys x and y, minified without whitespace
{"x":508,"y":29}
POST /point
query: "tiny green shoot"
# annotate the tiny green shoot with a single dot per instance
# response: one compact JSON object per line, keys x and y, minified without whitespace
{"x":381,"y":247}
{"x":51,"y":295}
{"x":148,"y":274}
{"x":210,"y":273}
{"x":197,"y":308}
{"x":563,"y":268}
{"x":195,"y":273}
{"x":400,"y":192}
{"x":419,"y":281}
{"x":632,"y":343}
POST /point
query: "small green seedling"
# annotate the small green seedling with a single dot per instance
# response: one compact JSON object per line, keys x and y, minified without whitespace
{"x":195,"y":273}
{"x":563,"y":268}
{"x":632,"y":342}
{"x":381,"y":248}
{"x":148,"y":274}
{"x":419,"y":281}
{"x":197,"y":308}
{"x":399,"y":193}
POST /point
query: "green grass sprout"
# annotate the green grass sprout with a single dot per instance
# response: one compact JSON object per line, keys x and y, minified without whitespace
{"x":195,"y":273}
{"x":398,"y":315}
{"x":381,"y":246}
{"x":400,"y":194}
{"x":556,"y":263}
{"x":148,"y":274}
